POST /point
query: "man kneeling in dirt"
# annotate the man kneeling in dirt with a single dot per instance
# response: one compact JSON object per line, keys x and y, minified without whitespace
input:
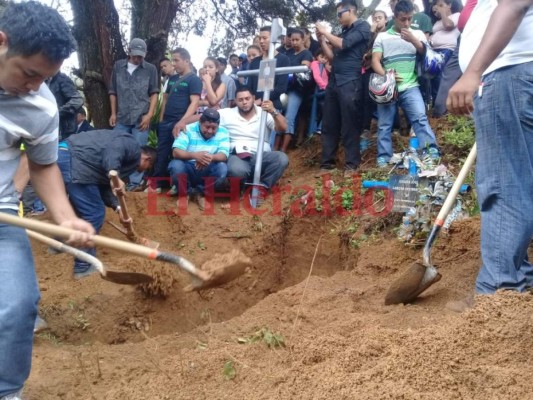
{"x":243,"y":124}
{"x":201,"y":152}
{"x":85,"y":160}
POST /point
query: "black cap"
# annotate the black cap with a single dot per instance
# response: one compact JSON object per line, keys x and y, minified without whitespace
{"x":222,"y":60}
{"x":210,"y":115}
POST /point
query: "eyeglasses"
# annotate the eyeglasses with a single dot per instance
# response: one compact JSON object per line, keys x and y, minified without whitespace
{"x":339,"y":14}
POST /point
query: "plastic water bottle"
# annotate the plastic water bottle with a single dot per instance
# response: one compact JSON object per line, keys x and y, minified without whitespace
{"x":407,"y":229}
{"x":413,"y":149}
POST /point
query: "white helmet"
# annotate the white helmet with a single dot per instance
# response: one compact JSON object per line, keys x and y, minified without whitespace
{"x":382,"y":88}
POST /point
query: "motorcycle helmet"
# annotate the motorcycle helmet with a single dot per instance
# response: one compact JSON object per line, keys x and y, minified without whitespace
{"x":382,"y":88}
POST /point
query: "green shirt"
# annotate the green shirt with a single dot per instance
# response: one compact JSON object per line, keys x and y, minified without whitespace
{"x":399,"y":55}
{"x":420,"y":22}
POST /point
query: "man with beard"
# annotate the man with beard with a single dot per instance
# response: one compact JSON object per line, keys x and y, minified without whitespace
{"x":243,"y":124}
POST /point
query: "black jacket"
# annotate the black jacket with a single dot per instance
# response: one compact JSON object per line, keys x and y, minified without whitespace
{"x":97,"y":152}
{"x":68,"y":100}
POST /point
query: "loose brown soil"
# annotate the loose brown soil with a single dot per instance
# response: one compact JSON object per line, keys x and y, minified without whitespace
{"x":306,"y":284}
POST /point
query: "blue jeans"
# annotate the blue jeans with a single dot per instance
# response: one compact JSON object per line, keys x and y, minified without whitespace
{"x":86,"y":201}
{"x":19,"y":296}
{"x":293,"y":105}
{"x":195,"y":181}
{"x":413,"y":106}
{"x":142,"y":138}
{"x":273,"y":166}
{"x":504,"y":178}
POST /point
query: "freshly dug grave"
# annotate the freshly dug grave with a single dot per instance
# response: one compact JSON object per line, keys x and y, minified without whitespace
{"x":306,"y":320}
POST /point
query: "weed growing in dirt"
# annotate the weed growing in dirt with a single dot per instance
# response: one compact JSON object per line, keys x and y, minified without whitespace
{"x":265,"y":335}
{"x":80,"y":320}
{"x":461,"y":133}
{"x":229,"y":370}
{"x":49,"y":337}
{"x":201,"y":345}
{"x":257,"y":224}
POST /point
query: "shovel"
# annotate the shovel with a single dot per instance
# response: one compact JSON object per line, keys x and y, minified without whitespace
{"x":125,"y":219}
{"x":122,"y":278}
{"x":217,"y":272}
{"x":419,"y":276}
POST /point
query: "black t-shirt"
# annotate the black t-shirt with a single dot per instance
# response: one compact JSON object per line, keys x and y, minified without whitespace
{"x":179,"y":96}
{"x":314,"y":46}
{"x":280,"y":82}
{"x":296,"y":59}
{"x":283,"y":50}
{"x":346,"y":64}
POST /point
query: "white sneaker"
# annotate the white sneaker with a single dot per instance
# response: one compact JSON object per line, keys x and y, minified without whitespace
{"x":173,"y":191}
{"x":39,"y":326}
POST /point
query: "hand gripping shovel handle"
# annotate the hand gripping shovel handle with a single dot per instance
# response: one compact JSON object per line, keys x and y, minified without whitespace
{"x":125,"y":218}
{"x":119,"y":277}
{"x":198,"y":276}
{"x":448,"y":204}
{"x":63,"y":248}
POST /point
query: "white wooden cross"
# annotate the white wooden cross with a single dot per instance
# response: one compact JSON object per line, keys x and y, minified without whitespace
{"x":266,"y":72}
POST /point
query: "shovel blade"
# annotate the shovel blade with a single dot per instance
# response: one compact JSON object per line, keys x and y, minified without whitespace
{"x":411,"y":283}
{"x":126,"y":278}
{"x":220,"y":270}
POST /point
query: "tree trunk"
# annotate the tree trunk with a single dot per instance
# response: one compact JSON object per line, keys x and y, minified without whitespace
{"x":151,"y":21}
{"x":96,"y":28}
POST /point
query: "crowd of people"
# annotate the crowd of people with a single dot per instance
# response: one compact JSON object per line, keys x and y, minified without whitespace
{"x":208,"y":126}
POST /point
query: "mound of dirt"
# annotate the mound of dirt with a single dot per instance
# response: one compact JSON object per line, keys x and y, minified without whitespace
{"x":306,"y":319}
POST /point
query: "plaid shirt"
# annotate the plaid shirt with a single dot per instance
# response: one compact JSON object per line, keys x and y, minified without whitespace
{"x":133,"y":91}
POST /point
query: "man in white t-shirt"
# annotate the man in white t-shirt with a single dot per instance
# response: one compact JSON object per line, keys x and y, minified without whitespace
{"x":497,"y":85}
{"x":243,"y":124}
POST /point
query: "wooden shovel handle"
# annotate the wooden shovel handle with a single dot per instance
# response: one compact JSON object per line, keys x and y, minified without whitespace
{"x":125,"y":218}
{"x":64,"y":233}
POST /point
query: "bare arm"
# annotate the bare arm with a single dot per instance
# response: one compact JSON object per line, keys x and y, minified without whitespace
{"x":22,"y":176}
{"x":188,"y":116}
{"x":326,"y":48}
{"x":503,"y":24}
{"x":113,"y":103}
{"x":214,"y":98}
{"x":163,"y":106}
{"x":197,"y":155}
{"x":376,"y":63}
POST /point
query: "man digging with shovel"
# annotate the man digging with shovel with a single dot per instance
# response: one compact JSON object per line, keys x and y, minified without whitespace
{"x":497,"y":86}
{"x":34,"y":41}
{"x":85,"y":160}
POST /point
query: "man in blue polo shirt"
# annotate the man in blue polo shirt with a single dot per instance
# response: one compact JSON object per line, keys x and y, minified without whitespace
{"x":201,"y":152}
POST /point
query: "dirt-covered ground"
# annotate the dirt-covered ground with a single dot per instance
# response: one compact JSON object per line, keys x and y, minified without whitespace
{"x":306,"y":321}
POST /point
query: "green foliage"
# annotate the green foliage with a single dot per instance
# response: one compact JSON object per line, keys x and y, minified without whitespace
{"x":265,"y":335}
{"x":229,"y":370}
{"x":461,"y":133}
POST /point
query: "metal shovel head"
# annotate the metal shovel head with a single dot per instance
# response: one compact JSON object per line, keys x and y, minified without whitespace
{"x":219,"y":270}
{"x":411,"y":283}
{"x":126,"y":278}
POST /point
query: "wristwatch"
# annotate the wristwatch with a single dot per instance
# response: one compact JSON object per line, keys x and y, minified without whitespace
{"x":274,"y":113}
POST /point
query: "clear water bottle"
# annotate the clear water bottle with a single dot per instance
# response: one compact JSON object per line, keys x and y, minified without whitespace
{"x":413,"y":149}
{"x":407,"y":229}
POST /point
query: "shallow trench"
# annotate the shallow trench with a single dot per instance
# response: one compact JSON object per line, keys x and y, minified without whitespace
{"x":98,"y":311}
